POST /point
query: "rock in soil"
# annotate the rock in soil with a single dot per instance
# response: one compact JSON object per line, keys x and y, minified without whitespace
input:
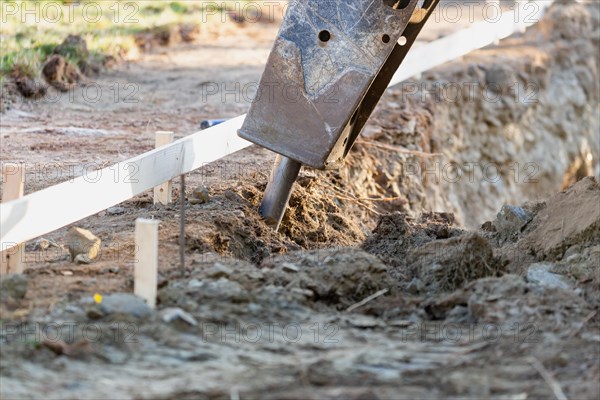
{"x":115,"y":210}
{"x":200,"y":195}
{"x":511,"y":220}
{"x":169,"y":315}
{"x":13,"y":286}
{"x":539,"y":273}
{"x":124,"y":305}
{"x":83,"y":245}
{"x":43,"y":244}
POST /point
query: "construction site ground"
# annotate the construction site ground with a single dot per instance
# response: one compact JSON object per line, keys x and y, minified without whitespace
{"x":404,"y":275}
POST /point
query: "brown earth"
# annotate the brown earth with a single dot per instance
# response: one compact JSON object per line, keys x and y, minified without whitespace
{"x":459,"y":311}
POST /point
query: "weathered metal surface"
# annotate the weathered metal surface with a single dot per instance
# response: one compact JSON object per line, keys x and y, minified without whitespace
{"x":279,"y":189}
{"x":324,"y":60}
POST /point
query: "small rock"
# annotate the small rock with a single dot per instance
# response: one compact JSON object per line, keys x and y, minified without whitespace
{"x":82,"y":259}
{"x":43,"y":244}
{"x":168,"y":315}
{"x":400,"y":323}
{"x":289,"y":267}
{"x":540,"y":274}
{"x":124,"y":304}
{"x":223,"y":289}
{"x":239,"y":214}
{"x":364,"y":321}
{"x":115,"y":210}
{"x":219,"y":271}
{"x":415,"y":286}
{"x":84,"y":243}
{"x":14,"y":286}
{"x":488,"y":226}
{"x":170,"y":295}
{"x":499,"y":76}
{"x":303,"y":292}
{"x":195,"y":284}
{"x":67,"y":273}
{"x":110,"y":270}
{"x":200,"y":195}
{"x":510,"y":220}
{"x":195,"y":355}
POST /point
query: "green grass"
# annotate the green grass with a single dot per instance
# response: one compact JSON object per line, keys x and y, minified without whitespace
{"x":108,"y":30}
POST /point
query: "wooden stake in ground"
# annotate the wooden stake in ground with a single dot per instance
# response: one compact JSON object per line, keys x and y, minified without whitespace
{"x":146,"y":263}
{"x":12,"y":261}
{"x":163,"y":193}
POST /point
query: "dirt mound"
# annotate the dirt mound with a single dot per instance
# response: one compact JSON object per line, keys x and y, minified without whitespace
{"x":397,"y":234}
{"x":315,"y":219}
{"x":568,"y":218}
{"x":429,"y":254}
{"x":339,"y":277}
{"x":26,"y":84}
{"x":510,"y":300}
{"x":60,"y":73}
{"x":234,"y":228}
{"x":446,"y":265}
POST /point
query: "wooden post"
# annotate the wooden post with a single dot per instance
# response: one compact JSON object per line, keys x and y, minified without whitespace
{"x":146,"y":264}
{"x":163,"y":192}
{"x":12,"y":261}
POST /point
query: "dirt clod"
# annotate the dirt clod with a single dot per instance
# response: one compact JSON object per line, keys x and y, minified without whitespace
{"x":540,"y":273}
{"x":74,"y":46}
{"x":14,"y":286}
{"x":445,"y":265}
{"x":61,"y":74}
{"x":510,"y":221}
{"x":396,"y":234}
{"x":338,"y":277}
{"x":189,"y":32}
{"x":27,"y":85}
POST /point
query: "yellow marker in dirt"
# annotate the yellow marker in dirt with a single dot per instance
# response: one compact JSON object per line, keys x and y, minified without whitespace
{"x":98,"y":298}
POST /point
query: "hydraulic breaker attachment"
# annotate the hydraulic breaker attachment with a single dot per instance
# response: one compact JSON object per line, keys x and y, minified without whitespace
{"x":329,"y":66}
